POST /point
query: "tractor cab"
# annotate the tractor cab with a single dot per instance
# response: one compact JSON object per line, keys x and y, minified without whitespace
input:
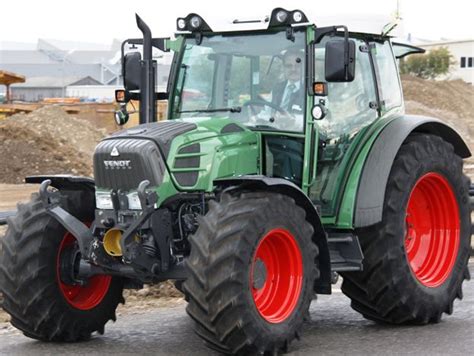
{"x":307,"y":92}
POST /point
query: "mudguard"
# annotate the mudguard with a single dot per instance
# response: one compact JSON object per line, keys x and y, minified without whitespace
{"x":64,"y":182}
{"x":282,"y":186}
{"x":80,"y":190}
{"x":374,"y":177}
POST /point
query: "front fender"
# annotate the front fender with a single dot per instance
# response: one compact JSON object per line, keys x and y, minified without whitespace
{"x":79,"y":190}
{"x":282,"y":186}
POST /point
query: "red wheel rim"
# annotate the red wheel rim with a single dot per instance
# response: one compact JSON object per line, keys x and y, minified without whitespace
{"x":278,"y":259}
{"x":433,"y":228}
{"x":82,"y":297}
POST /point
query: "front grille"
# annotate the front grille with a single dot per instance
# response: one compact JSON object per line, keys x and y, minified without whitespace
{"x":136,"y":161}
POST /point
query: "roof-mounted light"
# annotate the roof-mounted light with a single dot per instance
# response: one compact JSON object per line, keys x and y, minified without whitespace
{"x":282,"y":17}
{"x":297,"y":16}
{"x":181,"y":24}
{"x":192,"y":23}
{"x":195,"y":22}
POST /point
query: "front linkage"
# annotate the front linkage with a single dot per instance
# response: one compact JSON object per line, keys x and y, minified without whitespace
{"x":91,"y":257}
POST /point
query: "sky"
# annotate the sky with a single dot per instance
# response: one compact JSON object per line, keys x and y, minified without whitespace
{"x":100,"y":21}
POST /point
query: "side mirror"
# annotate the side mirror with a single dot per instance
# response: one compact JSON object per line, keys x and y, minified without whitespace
{"x":340,"y":60}
{"x":132,"y":71}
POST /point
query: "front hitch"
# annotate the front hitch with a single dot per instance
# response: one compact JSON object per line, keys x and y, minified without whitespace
{"x":133,"y":252}
{"x":91,"y":251}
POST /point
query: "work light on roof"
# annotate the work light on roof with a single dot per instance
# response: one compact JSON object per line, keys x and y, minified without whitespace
{"x":192,"y":23}
{"x":181,"y":24}
{"x":281,"y":17}
{"x":297,"y":16}
{"x":195,"y":22}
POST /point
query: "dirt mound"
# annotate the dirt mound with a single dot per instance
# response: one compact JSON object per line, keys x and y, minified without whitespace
{"x":46,"y":141}
{"x":449,"y":100}
{"x":453,"y":96}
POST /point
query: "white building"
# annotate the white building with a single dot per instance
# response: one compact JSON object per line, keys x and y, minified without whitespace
{"x":463,"y":53}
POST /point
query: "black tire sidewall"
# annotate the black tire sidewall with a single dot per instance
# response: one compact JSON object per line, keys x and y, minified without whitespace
{"x":443,"y":165}
{"x":292,"y":224}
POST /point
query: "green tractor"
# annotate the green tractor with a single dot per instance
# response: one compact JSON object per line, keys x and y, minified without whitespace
{"x":286,"y":158}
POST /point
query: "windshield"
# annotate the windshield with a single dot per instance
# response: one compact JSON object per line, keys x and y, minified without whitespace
{"x":257,"y":80}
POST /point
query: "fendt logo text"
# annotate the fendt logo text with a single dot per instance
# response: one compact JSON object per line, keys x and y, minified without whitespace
{"x":124,"y":164}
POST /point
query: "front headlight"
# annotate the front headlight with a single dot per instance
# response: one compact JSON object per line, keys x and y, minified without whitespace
{"x":103,"y":200}
{"x":134,"y":201}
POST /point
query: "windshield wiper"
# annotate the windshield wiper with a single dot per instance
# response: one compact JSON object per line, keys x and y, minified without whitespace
{"x":233,"y":109}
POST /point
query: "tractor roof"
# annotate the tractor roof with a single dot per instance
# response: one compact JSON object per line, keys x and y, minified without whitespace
{"x":278,"y":20}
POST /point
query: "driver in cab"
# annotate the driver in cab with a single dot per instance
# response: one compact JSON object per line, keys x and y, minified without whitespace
{"x":288,"y":95}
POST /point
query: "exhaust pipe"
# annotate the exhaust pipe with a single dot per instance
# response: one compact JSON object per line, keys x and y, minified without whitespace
{"x":148,"y":71}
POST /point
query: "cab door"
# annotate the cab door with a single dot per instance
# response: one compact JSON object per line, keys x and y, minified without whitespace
{"x":351,"y":108}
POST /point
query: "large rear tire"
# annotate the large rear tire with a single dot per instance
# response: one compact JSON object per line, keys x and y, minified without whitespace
{"x":416,"y":259}
{"x":251,"y":273}
{"x":38,"y":300}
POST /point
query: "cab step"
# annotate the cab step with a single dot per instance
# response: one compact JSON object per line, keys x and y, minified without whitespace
{"x":345,"y":252}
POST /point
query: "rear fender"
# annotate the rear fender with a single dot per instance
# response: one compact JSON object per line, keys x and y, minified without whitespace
{"x":377,"y":166}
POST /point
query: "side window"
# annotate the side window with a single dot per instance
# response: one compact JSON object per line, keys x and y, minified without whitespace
{"x":387,"y":70}
{"x":194,"y":78}
{"x":348,"y":104}
{"x":349,"y":111}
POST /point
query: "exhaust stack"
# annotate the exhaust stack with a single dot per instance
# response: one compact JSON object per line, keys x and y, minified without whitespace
{"x":148,"y":74}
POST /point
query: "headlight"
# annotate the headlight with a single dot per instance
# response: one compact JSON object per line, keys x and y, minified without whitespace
{"x":103,"y":200}
{"x":195,"y":22}
{"x":181,"y":24}
{"x":297,"y":16}
{"x":281,"y":16}
{"x":134,"y":201}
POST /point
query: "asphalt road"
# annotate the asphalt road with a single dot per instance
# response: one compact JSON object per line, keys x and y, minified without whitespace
{"x":335,"y":329}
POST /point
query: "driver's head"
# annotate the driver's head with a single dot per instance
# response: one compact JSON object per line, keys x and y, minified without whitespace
{"x":293,"y":64}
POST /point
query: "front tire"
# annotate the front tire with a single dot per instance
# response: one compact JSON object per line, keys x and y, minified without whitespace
{"x":416,"y":259}
{"x":39,"y":302}
{"x":251,"y":273}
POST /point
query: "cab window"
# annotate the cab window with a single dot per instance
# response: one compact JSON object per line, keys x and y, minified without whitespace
{"x":351,"y":107}
{"x":386,"y":67}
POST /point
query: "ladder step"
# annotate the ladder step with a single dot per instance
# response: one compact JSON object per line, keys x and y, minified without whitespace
{"x":345,"y":252}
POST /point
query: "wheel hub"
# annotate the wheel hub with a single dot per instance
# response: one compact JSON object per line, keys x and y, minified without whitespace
{"x":82,"y":295}
{"x":432,"y":229}
{"x":276,"y":278}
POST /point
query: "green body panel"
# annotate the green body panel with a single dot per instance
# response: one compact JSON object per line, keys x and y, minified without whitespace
{"x":353,"y":165}
{"x":240,"y":153}
{"x":166,"y":189}
{"x":309,"y":147}
{"x":221,"y":155}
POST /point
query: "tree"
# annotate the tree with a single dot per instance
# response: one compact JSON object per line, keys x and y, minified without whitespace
{"x":429,"y":65}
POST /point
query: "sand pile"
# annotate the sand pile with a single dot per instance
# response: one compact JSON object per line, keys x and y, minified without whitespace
{"x":46,"y":141}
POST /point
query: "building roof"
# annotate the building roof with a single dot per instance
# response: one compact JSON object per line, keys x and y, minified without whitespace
{"x":56,"y":82}
{"x":7,"y":78}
